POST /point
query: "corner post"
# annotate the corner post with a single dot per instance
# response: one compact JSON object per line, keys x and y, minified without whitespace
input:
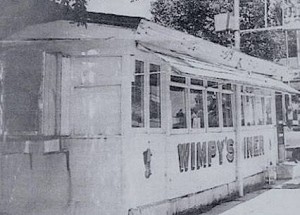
{"x":238,"y":141}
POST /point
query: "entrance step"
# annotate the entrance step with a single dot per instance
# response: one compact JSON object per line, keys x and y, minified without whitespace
{"x":288,"y":170}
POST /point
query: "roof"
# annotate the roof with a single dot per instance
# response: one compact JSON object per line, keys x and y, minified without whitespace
{"x":115,"y":20}
{"x":153,"y":36}
{"x":188,"y":65}
{"x":159,"y":37}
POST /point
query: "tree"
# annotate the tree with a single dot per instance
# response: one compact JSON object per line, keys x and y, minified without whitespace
{"x":197,"y":18}
{"x":76,"y":9}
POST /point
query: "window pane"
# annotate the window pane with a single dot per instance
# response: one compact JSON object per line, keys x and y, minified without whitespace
{"x":154,"y":68}
{"x":249,"y":110}
{"x":196,"y":103}
{"x":259,"y":110}
{"x":226,"y":86}
{"x":227,"y":110}
{"x":212,"y":108}
{"x":197,"y":82}
{"x":212,"y":84}
{"x":243,"y":110}
{"x":178,"y":79}
{"x":139,"y":66}
{"x":178,"y":100}
{"x":155,"y":101}
{"x":137,"y":102}
{"x":268,"y":111}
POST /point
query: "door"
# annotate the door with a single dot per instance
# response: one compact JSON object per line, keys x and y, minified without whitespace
{"x":280,"y":126}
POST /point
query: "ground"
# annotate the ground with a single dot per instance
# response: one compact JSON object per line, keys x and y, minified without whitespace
{"x":281,"y":199}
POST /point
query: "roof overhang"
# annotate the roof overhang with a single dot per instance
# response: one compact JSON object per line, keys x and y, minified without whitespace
{"x":182,"y":64}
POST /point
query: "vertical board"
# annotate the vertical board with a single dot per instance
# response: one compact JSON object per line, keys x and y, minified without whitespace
{"x":49,"y":95}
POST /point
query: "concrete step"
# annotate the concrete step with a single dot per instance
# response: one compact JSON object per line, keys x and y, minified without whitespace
{"x":288,"y":170}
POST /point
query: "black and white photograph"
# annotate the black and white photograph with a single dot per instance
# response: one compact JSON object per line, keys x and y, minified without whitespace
{"x":149,"y":107}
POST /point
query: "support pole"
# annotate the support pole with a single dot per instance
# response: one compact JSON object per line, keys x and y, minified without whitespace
{"x":287,"y":47}
{"x":266,"y":13}
{"x":237,"y":36}
{"x":298,"y":46}
{"x":238,"y":140}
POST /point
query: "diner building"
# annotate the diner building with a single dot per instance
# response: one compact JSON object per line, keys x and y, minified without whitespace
{"x":130,"y":117}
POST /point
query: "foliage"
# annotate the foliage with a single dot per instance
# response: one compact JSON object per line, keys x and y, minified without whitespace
{"x":75,"y":9}
{"x":197,"y":18}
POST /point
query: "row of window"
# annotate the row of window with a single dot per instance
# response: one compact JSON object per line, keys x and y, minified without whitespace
{"x":190,"y":100}
{"x":195,"y":103}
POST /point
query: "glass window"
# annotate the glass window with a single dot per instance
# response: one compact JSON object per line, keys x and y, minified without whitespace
{"x":197,"y":82}
{"x":154,"y":68}
{"x":212,"y":84}
{"x":243,"y":110}
{"x":137,"y":96}
{"x":268,"y":110}
{"x":259,"y":110}
{"x":226,"y":86}
{"x":212,"y":108}
{"x":139,"y":66}
{"x":227,"y":110}
{"x":249,"y":110}
{"x":178,"y":101}
{"x":196,"y":104}
{"x":178,"y":79}
{"x":295,"y":104}
{"x":155,"y":97}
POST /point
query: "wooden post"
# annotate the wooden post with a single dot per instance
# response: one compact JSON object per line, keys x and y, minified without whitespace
{"x":238,"y":141}
{"x":266,"y":13}
{"x":287,"y":47}
{"x":237,"y":36}
{"x":238,"y":102}
{"x":298,"y":46}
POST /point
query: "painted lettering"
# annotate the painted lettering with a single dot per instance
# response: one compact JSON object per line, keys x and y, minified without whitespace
{"x":220,"y":145}
{"x":261,"y":145}
{"x":230,"y":150}
{"x":201,"y":155}
{"x":253,"y":146}
{"x":249,"y":147}
{"x":212,"y":150}
{"x":183,"y":153}
{"x":193,"y":160}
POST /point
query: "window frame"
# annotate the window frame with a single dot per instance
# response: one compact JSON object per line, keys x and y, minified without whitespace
{"x":188,"y":86}
{"x":146,"y":74}
{"x":233,"y":109}
{"x":265,"y":94}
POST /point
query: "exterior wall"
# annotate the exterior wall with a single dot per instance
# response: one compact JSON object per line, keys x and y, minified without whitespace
{"x":258,"y":163}
{"x":87,"y":180}
{"x":169,"y":190}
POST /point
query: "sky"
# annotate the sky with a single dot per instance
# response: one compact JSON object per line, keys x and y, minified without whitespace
{"x":123,"y":7}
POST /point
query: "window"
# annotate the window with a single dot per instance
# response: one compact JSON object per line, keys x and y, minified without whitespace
{"x":227,"y":110}
{"x":213,"y":110}
{"x":178,"y":102}
{"x":196,"y":105}
{"x":137,"y":96}
{"x":259,"y":110}
{"x":95,"y":104}
{"x":155,"y":97}
{"x":268,"y":110}
{"x":146,"y":88}
{"x":249,"y":110}
{"x":256,"y":107}
{"x":243,"y":110}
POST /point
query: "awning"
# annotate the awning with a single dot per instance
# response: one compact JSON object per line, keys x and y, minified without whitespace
{"x":186,"y":65}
